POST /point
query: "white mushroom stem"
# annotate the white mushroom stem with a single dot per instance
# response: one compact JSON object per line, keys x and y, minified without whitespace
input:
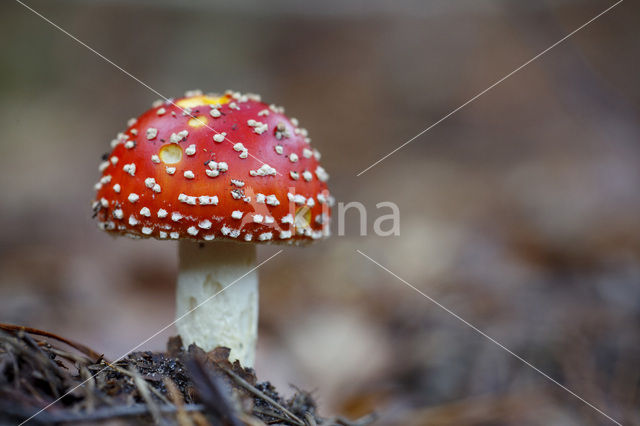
{"x":215,"y":307}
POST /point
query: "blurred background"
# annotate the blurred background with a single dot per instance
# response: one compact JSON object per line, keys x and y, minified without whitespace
{"x":519,"y":213}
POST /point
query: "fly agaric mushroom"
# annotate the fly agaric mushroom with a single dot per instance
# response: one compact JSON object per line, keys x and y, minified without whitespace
{"x":220,"y":174}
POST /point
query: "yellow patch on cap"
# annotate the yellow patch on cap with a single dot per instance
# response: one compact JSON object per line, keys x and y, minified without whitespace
{"x":302,"y":217}
{"x":196,"y":101}
{"x":198,"y":121}
{"x":170,"y":153}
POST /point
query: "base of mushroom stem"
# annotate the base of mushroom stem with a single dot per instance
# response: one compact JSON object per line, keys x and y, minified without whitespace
{"x":214,"y":305}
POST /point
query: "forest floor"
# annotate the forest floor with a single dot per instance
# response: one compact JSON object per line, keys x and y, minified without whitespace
{"x":47,"y":379}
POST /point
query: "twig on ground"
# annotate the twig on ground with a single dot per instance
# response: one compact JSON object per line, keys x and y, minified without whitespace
{"x":77,"y":346}
{"x":271,"y":413}
{"x":103,"y":413}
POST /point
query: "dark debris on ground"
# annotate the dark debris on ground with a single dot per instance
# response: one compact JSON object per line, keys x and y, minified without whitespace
{"x":47,"y":379}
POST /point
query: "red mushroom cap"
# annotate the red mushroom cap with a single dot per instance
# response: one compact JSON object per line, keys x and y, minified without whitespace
{"x":207,"y":167}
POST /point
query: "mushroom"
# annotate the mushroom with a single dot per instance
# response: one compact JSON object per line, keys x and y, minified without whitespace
{"x":220,"y":174}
